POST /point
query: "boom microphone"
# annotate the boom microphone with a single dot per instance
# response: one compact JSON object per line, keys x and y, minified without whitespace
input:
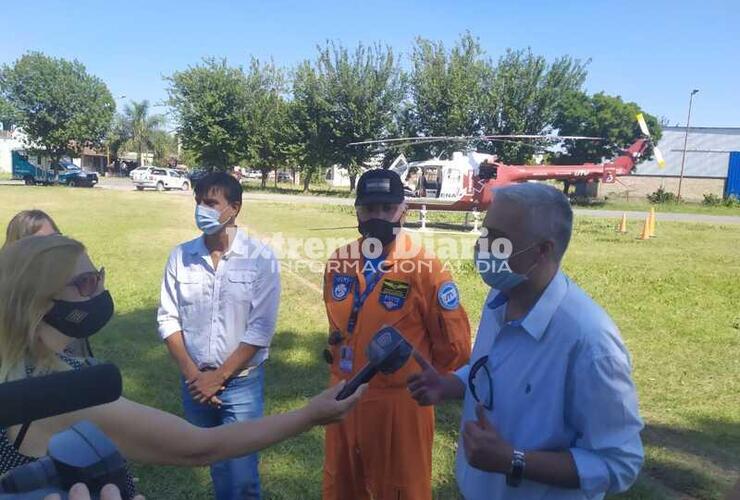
{"x":35,"y":398}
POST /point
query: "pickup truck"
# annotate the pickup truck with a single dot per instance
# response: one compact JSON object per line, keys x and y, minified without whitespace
{"x":62,"y":172}
{"x":159,"y":178}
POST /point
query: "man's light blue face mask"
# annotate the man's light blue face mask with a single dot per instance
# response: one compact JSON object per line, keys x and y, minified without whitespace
{"x":208,"y":219}
{"x":495,"y":271}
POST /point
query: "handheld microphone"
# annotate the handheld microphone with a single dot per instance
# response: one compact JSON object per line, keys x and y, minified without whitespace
{"x":35,"y":398}
{"x":387,"y":352}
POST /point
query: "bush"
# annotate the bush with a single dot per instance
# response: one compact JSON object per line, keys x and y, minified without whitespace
{"x":731,"y":201}
{"x":662,"y":196}
{"x":711,"y":200}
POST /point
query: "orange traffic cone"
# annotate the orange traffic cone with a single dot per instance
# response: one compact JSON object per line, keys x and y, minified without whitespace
{"x":622,"y":227}
{"x":652,"y":222}
{"x":645,"y":234}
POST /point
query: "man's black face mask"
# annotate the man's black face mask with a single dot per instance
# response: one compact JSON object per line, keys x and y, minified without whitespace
{"x":381,"y":229}
{"x":80,"y":320}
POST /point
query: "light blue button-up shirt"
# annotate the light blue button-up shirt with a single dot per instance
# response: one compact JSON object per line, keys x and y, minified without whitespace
{"x":561,"y":382}
{"x":217,"y":309}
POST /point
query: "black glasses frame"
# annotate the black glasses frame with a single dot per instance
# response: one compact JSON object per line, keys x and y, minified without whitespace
{"x":481,"y":364}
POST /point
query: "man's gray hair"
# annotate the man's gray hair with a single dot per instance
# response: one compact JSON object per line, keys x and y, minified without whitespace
{"x":547,"y":212}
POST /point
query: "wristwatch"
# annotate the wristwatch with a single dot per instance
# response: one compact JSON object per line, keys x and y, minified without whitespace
{"x":515,"y":475}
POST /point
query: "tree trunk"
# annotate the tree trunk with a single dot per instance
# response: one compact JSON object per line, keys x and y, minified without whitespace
{"x":264,"y":179}
{"x":306,"y":180}
{"x":352,"y":182}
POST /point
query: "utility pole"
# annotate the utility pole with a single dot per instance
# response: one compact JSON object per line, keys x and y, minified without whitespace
{"x":685,"y":141}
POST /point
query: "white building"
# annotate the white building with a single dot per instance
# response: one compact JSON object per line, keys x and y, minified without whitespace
{"x":706,"y":169}
{"x":9,"y":140}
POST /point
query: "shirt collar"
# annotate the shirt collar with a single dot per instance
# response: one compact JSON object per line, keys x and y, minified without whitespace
{"x":238,"y":246}
{"x":538,"y":317}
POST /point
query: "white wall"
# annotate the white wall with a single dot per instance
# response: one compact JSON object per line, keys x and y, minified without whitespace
{"x":8,"y":144}
{"x":337,"y":177}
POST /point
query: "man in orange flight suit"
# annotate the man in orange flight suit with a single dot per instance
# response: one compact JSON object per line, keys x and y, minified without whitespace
{"x":383,"y":449}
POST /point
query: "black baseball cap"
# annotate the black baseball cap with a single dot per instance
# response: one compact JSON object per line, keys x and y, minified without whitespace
{"x":379,"y":186}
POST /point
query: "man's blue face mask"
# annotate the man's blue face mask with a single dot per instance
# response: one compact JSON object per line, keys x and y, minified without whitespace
{"x":495,"y":271}
{"x":208,"y":219}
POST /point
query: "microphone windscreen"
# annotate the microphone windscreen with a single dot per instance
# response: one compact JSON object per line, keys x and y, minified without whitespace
{"x":35,"y":398}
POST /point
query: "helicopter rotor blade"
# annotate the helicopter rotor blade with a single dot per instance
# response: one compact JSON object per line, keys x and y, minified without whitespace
{"x":659,"y":157}
{"x":409,"y":139}
{"x":459,"y":138}
{"x":643,"y":124}
{"x":548,"y":137}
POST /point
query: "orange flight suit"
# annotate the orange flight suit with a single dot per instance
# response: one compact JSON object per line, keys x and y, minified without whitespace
{"x":383,"y":449}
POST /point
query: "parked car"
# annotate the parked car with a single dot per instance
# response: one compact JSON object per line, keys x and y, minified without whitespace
{"x":71,"y":175}
{"x":159,"y":178}
{"x":197,"y":174}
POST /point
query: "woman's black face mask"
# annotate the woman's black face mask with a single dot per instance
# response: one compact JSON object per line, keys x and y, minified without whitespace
{"x":80,"y":320}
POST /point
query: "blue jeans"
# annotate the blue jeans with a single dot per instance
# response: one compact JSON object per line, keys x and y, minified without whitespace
{"x":243,"y":399}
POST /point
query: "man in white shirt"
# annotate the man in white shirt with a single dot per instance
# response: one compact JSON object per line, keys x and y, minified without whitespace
{"x":217,"y":315}
{"x":550,"y":409}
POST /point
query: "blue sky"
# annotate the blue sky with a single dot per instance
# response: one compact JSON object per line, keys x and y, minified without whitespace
{"x":650,"y":52}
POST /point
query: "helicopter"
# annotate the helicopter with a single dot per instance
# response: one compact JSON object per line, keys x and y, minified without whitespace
{"x":464,"y":182}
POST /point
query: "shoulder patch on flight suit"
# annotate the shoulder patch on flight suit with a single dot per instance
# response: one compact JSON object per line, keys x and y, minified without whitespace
{"x":448,"y":296}
{"x":393,"y":294}
{"x":341,"y":285}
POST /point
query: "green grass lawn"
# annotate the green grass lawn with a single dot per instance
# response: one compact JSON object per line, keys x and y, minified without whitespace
{"x":676,"y":299}
{"x":315,"y":189}
{"x":683,"y":207}
{"x":614,"y":203}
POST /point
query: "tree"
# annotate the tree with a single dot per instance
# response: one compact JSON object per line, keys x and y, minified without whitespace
{"x":310,"y":120}
{"x":210,"y":102}
{"x":141,"y":130}
{"x":60,"y":107}
{"x":164,"y":147}
{"x":8,"y":115}
{"x":266,"y":116}
{"x":599,"y":115}
{"x":524,"y":98}
{"x":448,"y":92}
{"x":363,"y":92}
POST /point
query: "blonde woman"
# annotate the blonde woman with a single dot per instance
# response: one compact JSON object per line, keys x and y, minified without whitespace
{"x":30,"y":223}
{"x":39,"y":223}
{"x":42,"y":281}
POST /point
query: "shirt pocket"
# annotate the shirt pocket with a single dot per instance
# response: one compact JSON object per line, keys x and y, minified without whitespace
{"x":240,"y":286}
{"x":189,"y":289}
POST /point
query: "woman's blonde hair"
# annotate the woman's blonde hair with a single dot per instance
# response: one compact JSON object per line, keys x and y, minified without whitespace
{"x":27,"y":223}
{"x":32,"y":272}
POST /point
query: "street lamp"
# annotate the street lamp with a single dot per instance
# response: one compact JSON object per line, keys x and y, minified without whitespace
{"x":685,"y":140}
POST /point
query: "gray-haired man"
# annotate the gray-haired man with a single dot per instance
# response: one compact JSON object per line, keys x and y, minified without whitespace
{"x":550,"y":410}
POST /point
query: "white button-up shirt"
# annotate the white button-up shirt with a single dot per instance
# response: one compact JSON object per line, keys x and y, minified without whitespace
{"x":561,"y":381}
{"x":217,"y":309}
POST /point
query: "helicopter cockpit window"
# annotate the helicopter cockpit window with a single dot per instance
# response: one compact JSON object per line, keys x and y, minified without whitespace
{"x":430,"y":182}
{"x":411,"y":182}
